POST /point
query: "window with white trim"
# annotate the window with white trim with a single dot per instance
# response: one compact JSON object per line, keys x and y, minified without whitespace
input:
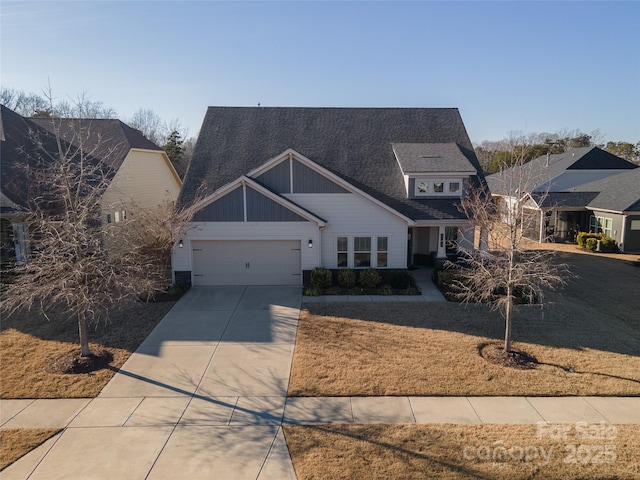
{"x":383,"y":245}
{"x":343,"y":252}
{"x":116,"y":216}
{"x":361,"y":252}
{"x":601,"y":225}
{"x":434,"y":187}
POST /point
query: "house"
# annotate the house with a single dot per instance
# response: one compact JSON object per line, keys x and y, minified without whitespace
{"x":584,"y":189}
{"x":143,"y":176}
{"x":277,"y":192}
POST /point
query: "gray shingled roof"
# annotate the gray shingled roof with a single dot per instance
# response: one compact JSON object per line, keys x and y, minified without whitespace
{"x":27,"y":139}
{"x":431,"y":158}
{"x":107,"y":139}
{"x":17,"y":150}
{"x":577,"y":200}
{"x":353,"y":143}
{"x":619,"y":193}
{"x":543,"y":168}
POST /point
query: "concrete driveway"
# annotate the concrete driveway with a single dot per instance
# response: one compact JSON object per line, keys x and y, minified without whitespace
{"x":202,"y":397}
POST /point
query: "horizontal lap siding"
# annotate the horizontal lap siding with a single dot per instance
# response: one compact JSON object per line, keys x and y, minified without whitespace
{"x":353,"y":215}
{"x":144,"y":180}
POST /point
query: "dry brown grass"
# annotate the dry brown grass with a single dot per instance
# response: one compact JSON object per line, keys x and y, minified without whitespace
{"x":591,"y":326}
{"x":456,"y":451}
{"x":15,"y":443}
{"x":29,"y":343}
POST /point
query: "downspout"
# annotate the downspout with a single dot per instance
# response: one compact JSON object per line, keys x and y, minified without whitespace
{"x":541,"y":233}
{"x":624,"y":229}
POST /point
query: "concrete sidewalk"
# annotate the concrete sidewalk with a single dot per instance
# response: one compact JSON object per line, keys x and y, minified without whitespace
{"x":192,"y":436}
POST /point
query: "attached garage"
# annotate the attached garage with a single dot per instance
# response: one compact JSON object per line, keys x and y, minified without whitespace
{"x":246,"y":262}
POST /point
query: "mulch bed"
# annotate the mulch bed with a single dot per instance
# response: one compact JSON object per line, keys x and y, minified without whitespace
{"x":74,"y":363}
{"x":495,"y":353}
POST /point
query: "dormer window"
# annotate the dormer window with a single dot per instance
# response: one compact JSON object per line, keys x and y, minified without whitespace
{"x":437,"y":187}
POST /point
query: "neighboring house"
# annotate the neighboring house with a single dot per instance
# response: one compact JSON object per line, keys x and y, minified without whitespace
{"x":281,"y":191}
{"x":584,"y":189}
{"x":143,"y":176}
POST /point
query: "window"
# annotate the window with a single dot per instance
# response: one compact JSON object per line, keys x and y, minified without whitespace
{"x":601,"y":225}
{"x":116,"y":216}
{"x":635,"y":225}
{"x":382,"y":252}
{"x":108,"y":218}
{"x":425,"y":187}
{"x":343,"y":252}
{"x":124,"y":215}
{"x":361,"y":252}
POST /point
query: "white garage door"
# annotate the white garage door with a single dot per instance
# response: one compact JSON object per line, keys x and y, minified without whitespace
{"x":246,"y":262}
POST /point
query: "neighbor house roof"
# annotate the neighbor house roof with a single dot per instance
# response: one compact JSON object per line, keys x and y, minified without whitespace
{"x":577,"y":200}
{"x":618,"y":193}
{"x":354,"y":143}
{"x":25,"y":140}
{"x":107,"y":139}
{"x":542,"y":169}
{"x":22,"y":142}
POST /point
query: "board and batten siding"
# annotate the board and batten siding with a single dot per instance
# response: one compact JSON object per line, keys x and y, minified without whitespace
{"x":303,"y":231}
{"x":350,"y":214}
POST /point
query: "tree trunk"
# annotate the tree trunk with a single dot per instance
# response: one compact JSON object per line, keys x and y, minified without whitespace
{"x":84,"y":336}
{"x":507,"y":320}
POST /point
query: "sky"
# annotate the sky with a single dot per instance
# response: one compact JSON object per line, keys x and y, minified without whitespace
{"x":508,"y":66}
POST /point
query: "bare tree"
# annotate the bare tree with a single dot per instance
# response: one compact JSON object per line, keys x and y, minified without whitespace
{"x":502,"y":271}
{"x":76,"y":264}
{"x":149,"y":123}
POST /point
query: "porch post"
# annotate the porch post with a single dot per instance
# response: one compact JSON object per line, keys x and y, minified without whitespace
{"x":542,"y":229}
{"x":20,"y":242}
{"x":442,"y":244}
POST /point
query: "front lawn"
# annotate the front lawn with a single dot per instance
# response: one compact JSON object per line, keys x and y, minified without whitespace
{"x":30,"y":344}
{"x":586,"y":340}
{"x":460,"y":452}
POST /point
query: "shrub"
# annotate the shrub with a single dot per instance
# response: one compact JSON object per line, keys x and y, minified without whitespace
{"x":333,"y":290}
{"x":591,"y":243}
{"x":402,"y":279}
{"x":385,"y":290}
{"x":369,"y":278}
{"x":312,"y":291}
{"x":321,"y":278}
{"x":346,"y":278}
{"x":446,"y":278}
{"x":413,"y":291}
{"x":608,"y":244}
{"x":584,"y":236}
{"x":355,"y":291}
